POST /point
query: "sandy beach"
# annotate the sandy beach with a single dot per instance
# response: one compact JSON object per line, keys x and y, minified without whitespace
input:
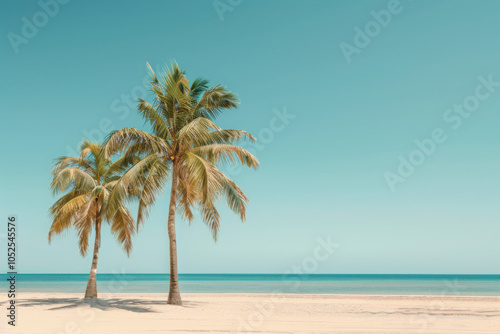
{"x":254,"y":313}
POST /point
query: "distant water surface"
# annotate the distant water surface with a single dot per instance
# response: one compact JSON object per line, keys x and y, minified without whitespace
{"x":446,"y":285}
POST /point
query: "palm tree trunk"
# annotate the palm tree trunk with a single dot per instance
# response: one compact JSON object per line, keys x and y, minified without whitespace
{"x":91,"y":291}
{"x":174,"y":295}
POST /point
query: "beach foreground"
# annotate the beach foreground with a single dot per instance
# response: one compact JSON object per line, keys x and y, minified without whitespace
{"x":253,"y":313}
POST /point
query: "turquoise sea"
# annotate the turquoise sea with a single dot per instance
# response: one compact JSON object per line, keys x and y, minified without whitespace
{"x":449,"y":285}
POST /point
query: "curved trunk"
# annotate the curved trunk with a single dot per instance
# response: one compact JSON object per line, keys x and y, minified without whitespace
{"x":91,"y":291}
{"x":174,"y":295}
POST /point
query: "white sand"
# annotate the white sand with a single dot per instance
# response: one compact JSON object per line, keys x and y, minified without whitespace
{"x":253,"y":313}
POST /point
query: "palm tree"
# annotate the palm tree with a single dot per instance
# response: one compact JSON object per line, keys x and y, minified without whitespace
{"x":188,"y":146}
{"x":88,"y":181}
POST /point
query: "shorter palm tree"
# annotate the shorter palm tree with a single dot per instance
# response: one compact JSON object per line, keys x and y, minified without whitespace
{"x":88,"y":181}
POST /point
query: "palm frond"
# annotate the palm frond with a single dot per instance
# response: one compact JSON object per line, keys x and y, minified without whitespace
{"x":197,"y":129}
{"x":214,"y":101}
{"x":64,"y":178}
{"x":226,"y":154}
{"x":198,"y":87}
{"x":152,"y":185}
{"x":64,"y":162}
{"x":64,"y":212}
{"x":130,"y":182}
{"x":155,"y":119}
{"x":224,"y":136}
{"x":211,"y":218}
{"x":117,"y":141}
{"x":210,"y":179}
{"x":123,"y":228}
{"x":84,"y":221}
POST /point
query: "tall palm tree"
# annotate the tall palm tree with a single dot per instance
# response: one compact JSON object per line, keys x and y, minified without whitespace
{"x":187,"y":146}
{"x":88,"y":181}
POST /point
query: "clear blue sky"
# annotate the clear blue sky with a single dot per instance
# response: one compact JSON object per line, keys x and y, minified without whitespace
{"x":324,"y":173}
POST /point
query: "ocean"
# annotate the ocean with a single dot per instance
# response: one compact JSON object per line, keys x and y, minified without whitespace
{"x":445,"y":285}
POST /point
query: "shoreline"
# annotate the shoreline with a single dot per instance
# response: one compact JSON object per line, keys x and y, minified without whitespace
{"x":312,"y":295}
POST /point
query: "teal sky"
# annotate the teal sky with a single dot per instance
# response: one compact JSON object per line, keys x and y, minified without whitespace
{"x":323,"y":171}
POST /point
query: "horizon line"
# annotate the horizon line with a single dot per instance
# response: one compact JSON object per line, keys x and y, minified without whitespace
{"x":294,"y":274}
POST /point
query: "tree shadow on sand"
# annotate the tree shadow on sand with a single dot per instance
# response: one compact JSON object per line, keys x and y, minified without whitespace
{"x":127,"y":304}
